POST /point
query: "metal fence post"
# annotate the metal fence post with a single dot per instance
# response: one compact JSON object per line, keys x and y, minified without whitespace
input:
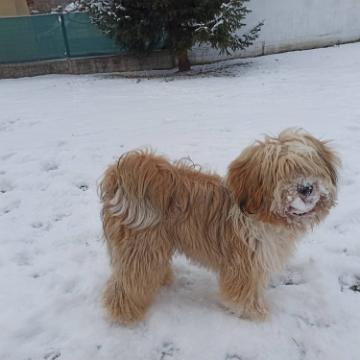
{"x":64,"y":33}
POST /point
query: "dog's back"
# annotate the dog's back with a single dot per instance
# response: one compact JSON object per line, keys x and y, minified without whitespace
{"x":144,"y":191}
{"x":142,"y":188}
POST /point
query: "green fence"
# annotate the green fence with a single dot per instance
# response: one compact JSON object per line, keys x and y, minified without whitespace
{"x":57,"y":36}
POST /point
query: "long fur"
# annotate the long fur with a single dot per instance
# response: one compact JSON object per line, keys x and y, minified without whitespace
{"x":236,"y":226}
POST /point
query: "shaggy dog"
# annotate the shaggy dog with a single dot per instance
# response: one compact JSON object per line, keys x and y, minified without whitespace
{"x":243,"y":226}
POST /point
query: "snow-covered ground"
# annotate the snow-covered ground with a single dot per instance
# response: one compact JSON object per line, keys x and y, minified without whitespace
{"x":58,"y":133}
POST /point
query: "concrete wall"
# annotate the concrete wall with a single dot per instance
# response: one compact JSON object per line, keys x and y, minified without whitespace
{"x":296,"y":25}
{"x":13,"y":8}
{"x":158,"y":60}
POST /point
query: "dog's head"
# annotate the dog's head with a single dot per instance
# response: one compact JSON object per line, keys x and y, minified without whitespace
{"x":290,"y":180}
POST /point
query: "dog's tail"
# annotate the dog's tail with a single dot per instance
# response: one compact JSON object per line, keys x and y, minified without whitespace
{"x":137,"y":189}
{"x":108,"y":185}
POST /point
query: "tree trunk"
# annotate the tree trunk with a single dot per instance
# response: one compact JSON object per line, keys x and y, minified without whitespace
{"x":183,"y":60}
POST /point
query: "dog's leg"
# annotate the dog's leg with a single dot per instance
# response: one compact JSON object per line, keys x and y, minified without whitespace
{"x":140,"y":268}
{"x":127,"y":298}
{"x":243,"y":292}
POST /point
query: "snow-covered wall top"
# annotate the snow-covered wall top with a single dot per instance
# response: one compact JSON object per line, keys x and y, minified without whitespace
{"x":296,"y":25}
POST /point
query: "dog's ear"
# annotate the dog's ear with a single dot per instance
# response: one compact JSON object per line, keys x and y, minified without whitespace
{"x":329,"y":157}
{"x":246,"y":180}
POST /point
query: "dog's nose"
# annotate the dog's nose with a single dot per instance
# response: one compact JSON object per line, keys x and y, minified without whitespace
{"x":305,"y":190}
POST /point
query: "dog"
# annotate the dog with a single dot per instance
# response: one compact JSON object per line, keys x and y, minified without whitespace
{"x":244,"y":226}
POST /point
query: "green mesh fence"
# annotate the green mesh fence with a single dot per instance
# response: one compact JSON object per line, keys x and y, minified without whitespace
{"x":85,"y":39}
{"x":44,"y":37}
{"x":31,"y":38}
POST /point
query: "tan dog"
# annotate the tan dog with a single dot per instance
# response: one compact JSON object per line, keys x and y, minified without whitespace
{"x":244,"y":226}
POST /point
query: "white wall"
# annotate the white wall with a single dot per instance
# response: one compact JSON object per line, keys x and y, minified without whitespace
{"x":295,"y":25}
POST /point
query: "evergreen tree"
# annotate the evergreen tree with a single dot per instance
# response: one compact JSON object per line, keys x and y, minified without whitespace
{"x":141,"y":25}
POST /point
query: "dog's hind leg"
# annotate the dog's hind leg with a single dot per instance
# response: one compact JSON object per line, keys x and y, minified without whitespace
{"x":140,"y":267}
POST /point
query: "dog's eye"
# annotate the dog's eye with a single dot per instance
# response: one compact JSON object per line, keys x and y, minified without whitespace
{"x":305,"y":190}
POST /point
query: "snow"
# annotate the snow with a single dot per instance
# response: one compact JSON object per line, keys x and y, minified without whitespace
{"x":57,"y":135}
{"x":71,"y":7}
{"x":301,"y":207}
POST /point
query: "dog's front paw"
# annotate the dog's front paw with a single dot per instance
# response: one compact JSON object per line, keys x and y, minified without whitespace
{"x":257,"y":311}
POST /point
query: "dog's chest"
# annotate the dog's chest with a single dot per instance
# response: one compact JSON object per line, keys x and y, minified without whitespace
{"x":273,"y":247}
